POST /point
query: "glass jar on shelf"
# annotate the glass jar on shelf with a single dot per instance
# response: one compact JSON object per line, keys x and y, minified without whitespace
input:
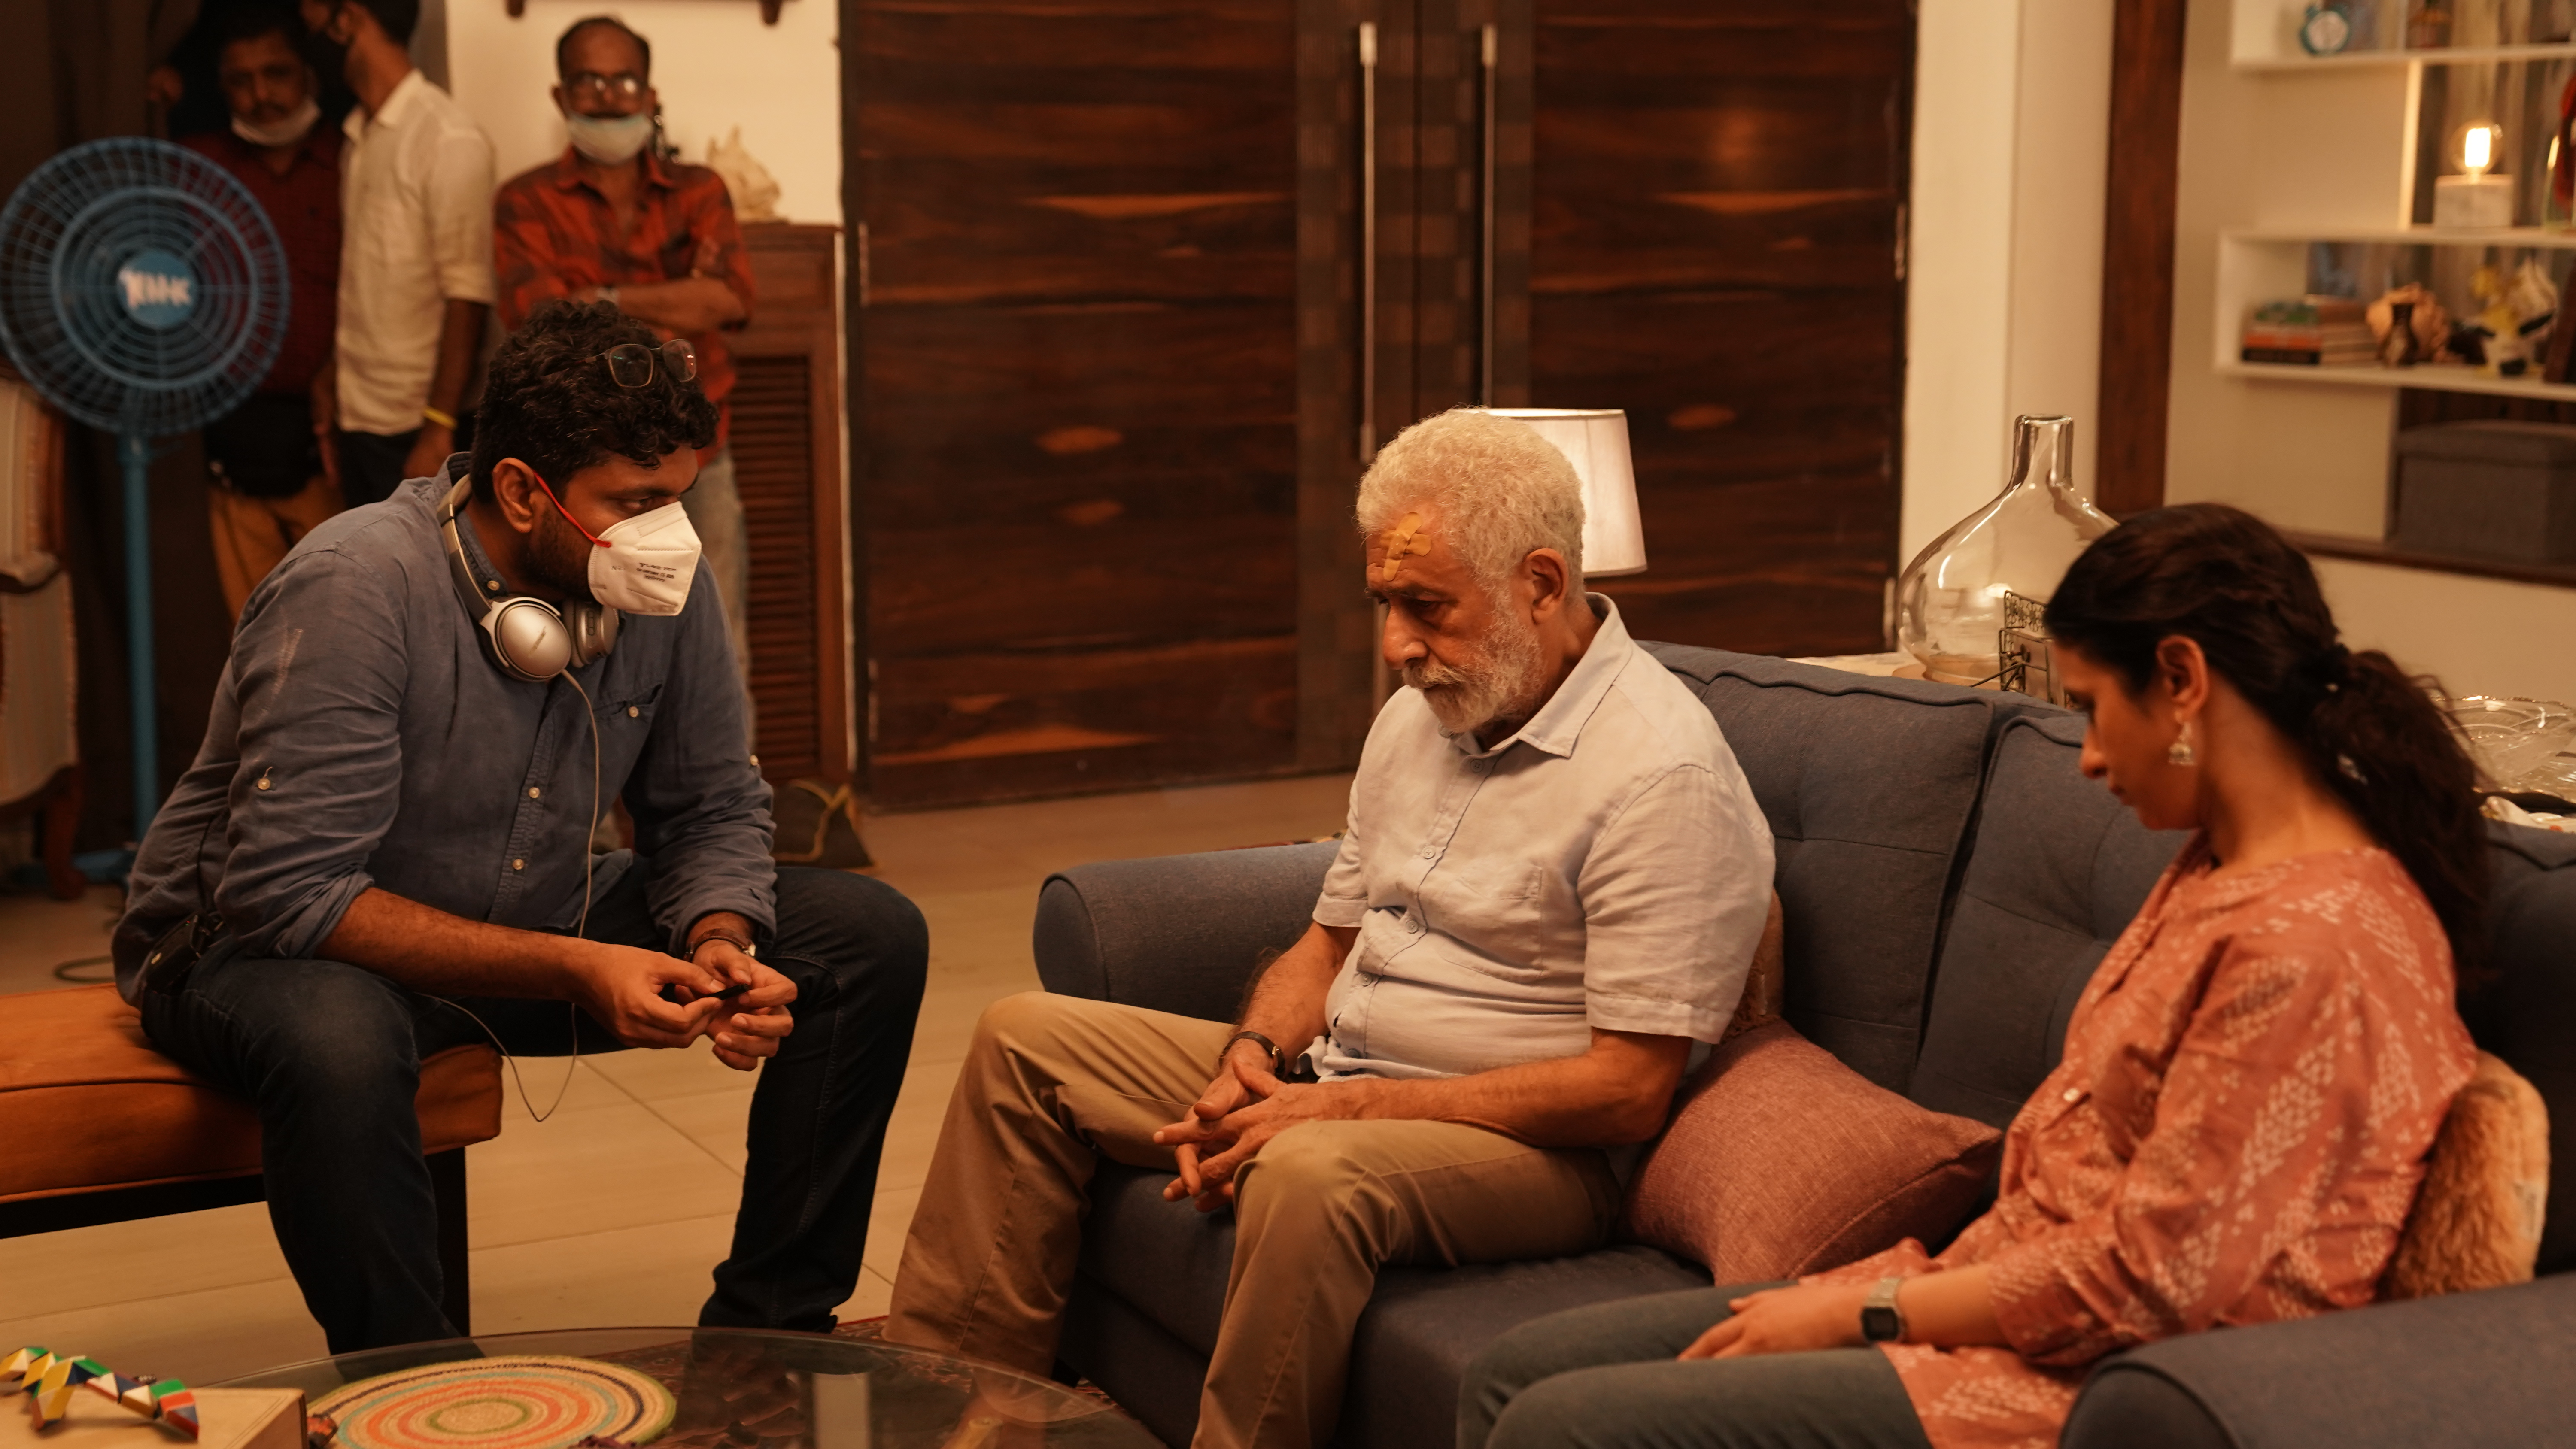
{"x":1950,"y":600}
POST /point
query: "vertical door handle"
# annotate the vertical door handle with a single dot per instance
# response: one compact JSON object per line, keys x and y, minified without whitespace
{"x":1485,"y":266}
{"x":1368,"y":240}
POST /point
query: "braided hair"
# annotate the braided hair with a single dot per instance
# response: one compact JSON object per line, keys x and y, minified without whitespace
{"x":2226,"y":580}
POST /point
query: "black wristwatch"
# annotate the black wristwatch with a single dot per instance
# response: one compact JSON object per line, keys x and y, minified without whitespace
{"x":1278,"y":1058}
{"x":1881,"y":1321}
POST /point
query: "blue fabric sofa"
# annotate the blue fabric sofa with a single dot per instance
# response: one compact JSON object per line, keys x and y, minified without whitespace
{"x":1950,"y":881}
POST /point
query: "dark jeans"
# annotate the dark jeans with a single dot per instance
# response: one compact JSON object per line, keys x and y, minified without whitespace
{"x":330,"y":1054}
{"x":371,"y":464}
{"x":1605,"y":1377}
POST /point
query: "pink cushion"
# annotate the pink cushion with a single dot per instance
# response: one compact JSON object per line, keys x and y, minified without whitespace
{"x":1781,"y":1160}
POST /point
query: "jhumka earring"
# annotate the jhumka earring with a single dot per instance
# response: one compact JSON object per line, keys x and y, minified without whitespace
{"x":2180,"y":751}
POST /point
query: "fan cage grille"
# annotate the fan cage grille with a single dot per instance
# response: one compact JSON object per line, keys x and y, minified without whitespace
{"x":74,"y":224}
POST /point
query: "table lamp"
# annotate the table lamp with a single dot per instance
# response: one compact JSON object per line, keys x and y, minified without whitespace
{"x":1595,"y":440}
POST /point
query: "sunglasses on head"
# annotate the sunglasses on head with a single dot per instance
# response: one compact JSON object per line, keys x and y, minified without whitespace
{"x":630,"y":364}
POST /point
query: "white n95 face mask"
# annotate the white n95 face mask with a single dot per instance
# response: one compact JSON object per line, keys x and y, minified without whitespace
{"x":646,"y":563}
{"x":641,"y":565}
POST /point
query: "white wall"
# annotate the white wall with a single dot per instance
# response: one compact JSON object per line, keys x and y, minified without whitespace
{"x":715,"y":64}
{"x":2004,"y":260}
{"x":2478,"y":636}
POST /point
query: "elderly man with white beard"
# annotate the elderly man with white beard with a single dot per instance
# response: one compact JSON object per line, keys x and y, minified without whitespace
{"x":1549,"y":893}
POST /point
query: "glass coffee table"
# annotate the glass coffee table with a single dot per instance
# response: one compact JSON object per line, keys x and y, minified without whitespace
{"x":743,"y":1389}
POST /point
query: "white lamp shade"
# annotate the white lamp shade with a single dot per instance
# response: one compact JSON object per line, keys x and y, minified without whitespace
{"x":1595,"y":440}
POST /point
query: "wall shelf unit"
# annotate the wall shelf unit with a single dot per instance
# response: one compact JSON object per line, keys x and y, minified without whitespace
{"x":2379,"y":551}
{"x":2298,"y":60}
{"x":2265,"y":37}
{"x":2271,"y":172}
{"x":2433,"y":378}
{"x":2261,"y":264}
{"x":2505,"y":238}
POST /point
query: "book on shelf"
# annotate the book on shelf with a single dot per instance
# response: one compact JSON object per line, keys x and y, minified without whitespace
{"x":2305,"y":357}
{"x":2310,"y":312}
{"x":2309,"y":332}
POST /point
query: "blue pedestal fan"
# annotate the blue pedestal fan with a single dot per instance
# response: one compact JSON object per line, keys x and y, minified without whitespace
{"x":143,"y":292}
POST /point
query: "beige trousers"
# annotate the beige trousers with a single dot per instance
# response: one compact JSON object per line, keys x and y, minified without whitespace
{"x":251,"y":535}
{"x":1054,"y":1083}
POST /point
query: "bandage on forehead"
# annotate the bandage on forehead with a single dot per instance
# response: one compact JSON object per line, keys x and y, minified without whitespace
{"x":1401,"y":541}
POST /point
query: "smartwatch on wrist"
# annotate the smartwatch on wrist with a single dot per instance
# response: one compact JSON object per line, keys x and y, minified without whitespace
{"x":1881,"y":1321}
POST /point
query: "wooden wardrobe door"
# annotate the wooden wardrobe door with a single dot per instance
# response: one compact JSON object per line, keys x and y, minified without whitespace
{"x":1716,"y":190}
{"x":1080,"y":426}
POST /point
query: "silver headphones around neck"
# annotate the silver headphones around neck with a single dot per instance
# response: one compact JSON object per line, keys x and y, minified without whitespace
{"x":530,"y":639}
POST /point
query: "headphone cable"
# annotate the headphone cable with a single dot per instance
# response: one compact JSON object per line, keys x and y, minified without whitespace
{"x":572,"y":1012}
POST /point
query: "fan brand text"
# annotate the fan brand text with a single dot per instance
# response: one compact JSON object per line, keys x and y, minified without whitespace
{"x":148,"y":289}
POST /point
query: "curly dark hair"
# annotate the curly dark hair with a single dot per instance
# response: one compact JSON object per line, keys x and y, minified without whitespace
{"x":550,"y":403}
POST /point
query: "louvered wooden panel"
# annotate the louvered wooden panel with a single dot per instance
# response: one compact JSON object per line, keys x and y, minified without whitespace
{"x":787,"y":462}
{"x":773,"y":424}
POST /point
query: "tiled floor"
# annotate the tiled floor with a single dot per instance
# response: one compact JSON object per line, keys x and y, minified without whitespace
{"x":615,"y":1208}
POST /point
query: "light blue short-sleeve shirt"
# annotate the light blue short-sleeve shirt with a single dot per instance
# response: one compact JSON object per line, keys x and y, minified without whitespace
{"x":1606,"y":866}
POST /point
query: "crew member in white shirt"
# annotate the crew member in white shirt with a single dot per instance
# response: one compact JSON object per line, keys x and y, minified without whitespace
{"x":416,"y":255}
{"x":1552,"y":884}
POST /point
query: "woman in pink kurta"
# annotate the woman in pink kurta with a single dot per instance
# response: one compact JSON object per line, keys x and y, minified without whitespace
{"x":2250,"y":1083}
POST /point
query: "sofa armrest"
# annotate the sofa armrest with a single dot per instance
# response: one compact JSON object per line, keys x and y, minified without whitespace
{"x":1177,"y":933}
{"x":2497,"y":1367}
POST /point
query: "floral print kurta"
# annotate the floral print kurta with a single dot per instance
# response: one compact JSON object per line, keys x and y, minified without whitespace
{"x":2250,"y":1085}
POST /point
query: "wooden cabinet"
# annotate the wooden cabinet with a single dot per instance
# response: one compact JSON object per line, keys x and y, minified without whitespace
{"x":787,"y":462}
{"x":1141,"y":282}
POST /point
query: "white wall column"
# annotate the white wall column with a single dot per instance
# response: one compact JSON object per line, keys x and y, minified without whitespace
{"x":2004,"y":268}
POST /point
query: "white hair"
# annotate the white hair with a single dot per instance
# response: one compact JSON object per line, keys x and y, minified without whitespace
{"x":1503,"y":490}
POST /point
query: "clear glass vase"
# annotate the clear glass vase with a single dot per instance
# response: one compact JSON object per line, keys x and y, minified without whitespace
{"x":1950,"y":600}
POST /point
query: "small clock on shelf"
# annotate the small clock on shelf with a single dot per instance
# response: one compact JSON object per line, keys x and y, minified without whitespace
{"x":2326,"y":29}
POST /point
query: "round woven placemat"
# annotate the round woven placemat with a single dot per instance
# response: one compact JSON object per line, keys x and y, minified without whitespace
{"x":529,"y":1402}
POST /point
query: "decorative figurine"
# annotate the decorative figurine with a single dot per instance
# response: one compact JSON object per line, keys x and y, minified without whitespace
{"x":2425,"y":333}
{"x":2428,"y":27}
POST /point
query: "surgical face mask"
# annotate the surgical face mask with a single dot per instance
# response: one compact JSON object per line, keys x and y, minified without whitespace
{"x":610,"y":140}
{"x":281,"y":133}
{"x":643,"y":564}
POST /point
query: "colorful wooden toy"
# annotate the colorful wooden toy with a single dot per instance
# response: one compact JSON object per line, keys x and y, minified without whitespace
{"x":48,"y":1378}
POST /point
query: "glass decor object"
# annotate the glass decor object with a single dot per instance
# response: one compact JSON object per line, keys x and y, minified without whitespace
{"x":1950,"y":600}
{"x":2519,"y":744}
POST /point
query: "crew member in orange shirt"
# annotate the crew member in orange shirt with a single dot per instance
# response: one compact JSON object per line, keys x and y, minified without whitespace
{"x":618,"y":219}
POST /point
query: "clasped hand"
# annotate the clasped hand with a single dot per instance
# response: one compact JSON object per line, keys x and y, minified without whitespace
{"x":649,"y":998}
{"x":1242,"y":1109}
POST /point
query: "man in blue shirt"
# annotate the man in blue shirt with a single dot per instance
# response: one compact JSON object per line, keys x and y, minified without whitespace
{"x":385,"y":841}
